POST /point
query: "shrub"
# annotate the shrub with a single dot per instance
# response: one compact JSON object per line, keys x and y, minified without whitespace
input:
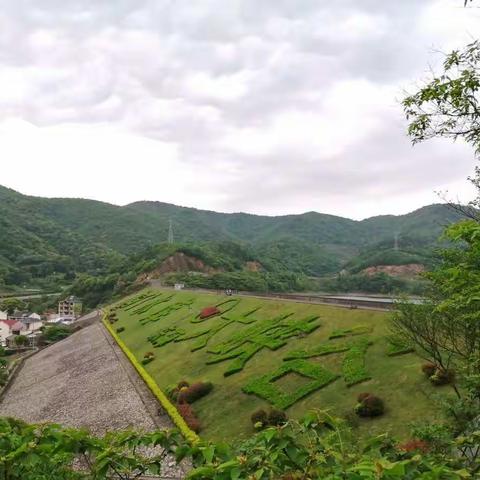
{"x":362,"y":396}
{"x":370,"y":406}
{"x":182,"y":383}
{"x":259,"y":417}
{"x":442,"y":377}
{"x":120,"y":329}
{"x":149,"y":354}
{"x":277,"y":417}
{"x":187,"y":413}
{"x":56,"y":333}
{"x":415,"y":445}
{"x":147,"y":360}
{"x":194,"y":392}
{"x":209,"y":312}
{"x":429,"y":369}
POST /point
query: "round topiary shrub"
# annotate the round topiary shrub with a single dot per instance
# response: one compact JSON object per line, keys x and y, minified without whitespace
{"x":259,"y":418}
{"x":362,"y":396}
{"x":370,"y":406}
{"x":209,"y":312}
{"x":194,"y":392}
{"x":429,"y":369}
{"x":120,"y":329}
{"x":442,"y":377}
{"x":277,"y":417}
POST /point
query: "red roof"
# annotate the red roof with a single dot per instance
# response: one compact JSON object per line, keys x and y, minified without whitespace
{"x":13,"y":324}
{"x":10,"y":323}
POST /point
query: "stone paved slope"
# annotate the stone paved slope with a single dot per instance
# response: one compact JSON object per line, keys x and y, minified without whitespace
{"x":83,"y":381}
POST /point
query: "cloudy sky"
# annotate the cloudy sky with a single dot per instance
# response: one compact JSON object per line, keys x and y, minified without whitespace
{"x":264,"y":106}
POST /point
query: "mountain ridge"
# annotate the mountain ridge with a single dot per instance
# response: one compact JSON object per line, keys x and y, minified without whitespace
{"x":44,"y":237}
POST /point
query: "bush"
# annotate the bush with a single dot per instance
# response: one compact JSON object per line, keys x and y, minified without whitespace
{"x":362,"y":396}
{"x":370,"y":406}
{"x":277,"y":417}
{"x":187,"y":413}
{"x":147,"y":360}
{"x":259,"y":417}
{"x":429,"y":369}
{"x":209,"y":312}
{"x":442,"y":377}
{"x":120,"y":329}
{"x":56,"y":333}
{"x":415,"y":445}
{"x":194,"y":392}
{"x":149,"y":354}
{"x":182,"y":383}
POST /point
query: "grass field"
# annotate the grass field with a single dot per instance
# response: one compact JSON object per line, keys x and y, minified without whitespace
{"x":286,"y":349}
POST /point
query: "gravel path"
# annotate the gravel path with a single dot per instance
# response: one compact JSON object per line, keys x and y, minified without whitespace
{"x":84,"y":381}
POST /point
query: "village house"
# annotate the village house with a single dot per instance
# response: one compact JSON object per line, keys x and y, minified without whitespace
{"x":33,"y":322}
{"x":3,"y":315}
{"x":9,"y":328}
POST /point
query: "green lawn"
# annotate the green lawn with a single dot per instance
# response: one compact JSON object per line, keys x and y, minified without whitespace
{"x":242,"y":330}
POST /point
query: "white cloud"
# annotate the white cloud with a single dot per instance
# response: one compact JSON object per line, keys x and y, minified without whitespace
{"x":202,"y":103}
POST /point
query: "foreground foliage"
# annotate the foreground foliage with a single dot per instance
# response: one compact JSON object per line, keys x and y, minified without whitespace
{"x":317,"y":447}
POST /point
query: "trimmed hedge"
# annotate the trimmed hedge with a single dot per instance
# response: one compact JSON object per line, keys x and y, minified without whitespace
{"x":353,"y":366}
{"x":173,"y":413}
{"x":264,"y":387}
{"x":318,"y":351}
{"x":344,"y":332}
{"x":272,"y":334}
{"x":397,"y":346}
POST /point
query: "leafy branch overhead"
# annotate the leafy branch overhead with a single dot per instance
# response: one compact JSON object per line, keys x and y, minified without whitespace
{"x":448,"y":106}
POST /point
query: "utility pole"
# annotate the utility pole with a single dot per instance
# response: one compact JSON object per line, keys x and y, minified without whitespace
{"x":170,"y":232}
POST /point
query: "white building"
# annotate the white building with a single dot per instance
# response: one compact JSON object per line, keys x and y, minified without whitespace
{"x":33,"y":322}
{"x":3,"y":315}
{"x":9,"y":328}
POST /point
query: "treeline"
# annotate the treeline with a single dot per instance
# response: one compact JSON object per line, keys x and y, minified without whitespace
{"x":244,"y":280}
{"x":377,"y":283}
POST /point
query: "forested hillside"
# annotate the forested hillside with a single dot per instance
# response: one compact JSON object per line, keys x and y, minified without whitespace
{"x":50,"y":241}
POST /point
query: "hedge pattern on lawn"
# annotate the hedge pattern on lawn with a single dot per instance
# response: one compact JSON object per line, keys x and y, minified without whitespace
{"x":353,"y":365}
{"x":347,"y":332}
{"x":319,"y":350}
{"x":136,"y":301}
{"x":398,"y":346}
{"x":272,"y":334}
{"x":264,"y":387}
{"x":173,"y":334}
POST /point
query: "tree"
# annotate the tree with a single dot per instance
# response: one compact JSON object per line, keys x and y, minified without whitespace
{"x":11,"y":304}
{"x":21,"y":340}
{"x":448,"y":106}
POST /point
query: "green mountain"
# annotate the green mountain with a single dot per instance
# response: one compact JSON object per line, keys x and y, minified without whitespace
{"x":51,"y":240}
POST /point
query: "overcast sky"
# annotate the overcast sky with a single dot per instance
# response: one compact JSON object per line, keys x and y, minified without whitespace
{"x":264,"y":106}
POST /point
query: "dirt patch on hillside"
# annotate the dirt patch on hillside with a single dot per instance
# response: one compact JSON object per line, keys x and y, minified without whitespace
{"x":178,"y":262}
{"x":254,"y":266}
{"x":409,"y":270}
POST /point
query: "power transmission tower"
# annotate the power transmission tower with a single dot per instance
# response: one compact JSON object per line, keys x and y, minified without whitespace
{"x":170,"y":232}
